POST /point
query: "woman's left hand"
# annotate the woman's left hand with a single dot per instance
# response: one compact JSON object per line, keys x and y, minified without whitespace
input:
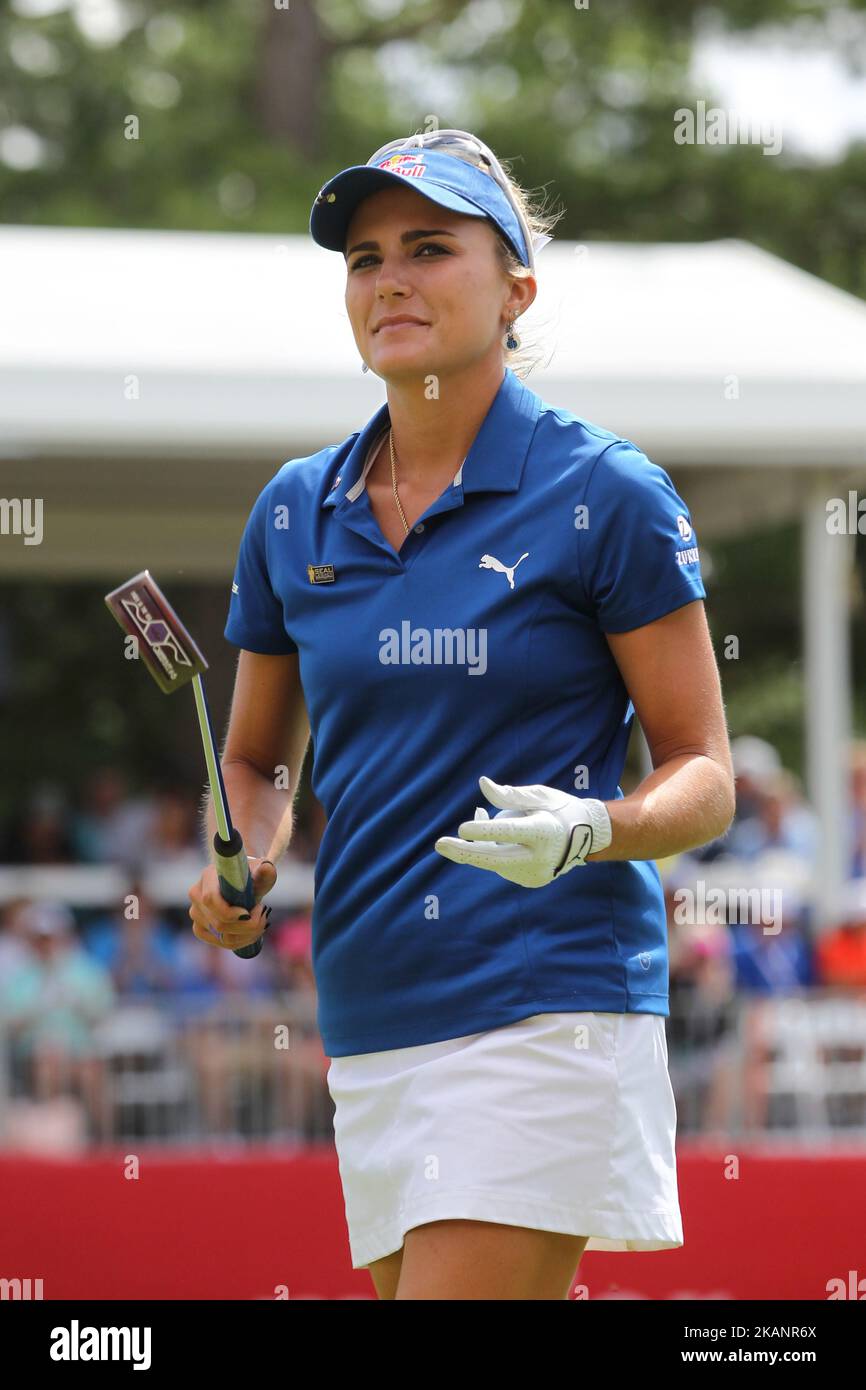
{"x":538,"y":834}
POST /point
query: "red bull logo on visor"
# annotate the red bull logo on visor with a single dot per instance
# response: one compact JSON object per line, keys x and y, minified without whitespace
{"x":411,"y":166}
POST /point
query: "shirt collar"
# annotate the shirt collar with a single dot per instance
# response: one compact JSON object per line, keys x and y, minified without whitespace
{"x":494,"y":462}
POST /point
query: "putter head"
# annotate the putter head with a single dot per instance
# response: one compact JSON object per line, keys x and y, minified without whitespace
{"x":164,"y":645}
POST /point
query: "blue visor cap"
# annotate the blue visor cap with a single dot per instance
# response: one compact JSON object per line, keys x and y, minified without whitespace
{"x":443,"y":178}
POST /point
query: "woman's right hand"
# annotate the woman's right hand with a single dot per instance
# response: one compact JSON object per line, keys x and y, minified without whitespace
{"x":218,"y":923}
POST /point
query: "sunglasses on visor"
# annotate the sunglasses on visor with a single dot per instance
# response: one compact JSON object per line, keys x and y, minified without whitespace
{"x":468,"y":147}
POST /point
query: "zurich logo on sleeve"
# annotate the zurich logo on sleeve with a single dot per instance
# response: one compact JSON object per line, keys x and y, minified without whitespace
{"x":691,"y":554}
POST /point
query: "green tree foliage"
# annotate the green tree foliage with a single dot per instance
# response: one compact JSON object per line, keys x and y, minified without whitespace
{"x":244,"y":107}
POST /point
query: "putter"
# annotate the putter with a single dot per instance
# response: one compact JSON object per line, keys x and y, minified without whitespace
{"x":173,"y":659}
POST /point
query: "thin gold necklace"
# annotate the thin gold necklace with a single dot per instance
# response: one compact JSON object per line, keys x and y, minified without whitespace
{"x":394,"y":484}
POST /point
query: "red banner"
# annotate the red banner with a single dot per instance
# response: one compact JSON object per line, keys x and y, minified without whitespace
{"x":759,"y":1223}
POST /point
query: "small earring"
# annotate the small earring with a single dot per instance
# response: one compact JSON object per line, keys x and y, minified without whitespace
{"x":364,"y":367}
{"x":512,"y":342}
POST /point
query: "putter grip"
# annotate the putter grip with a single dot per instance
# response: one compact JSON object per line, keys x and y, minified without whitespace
{"x":236,"y":882}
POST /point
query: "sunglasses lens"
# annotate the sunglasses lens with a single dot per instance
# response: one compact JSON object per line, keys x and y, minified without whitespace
{"x":463,"y":149}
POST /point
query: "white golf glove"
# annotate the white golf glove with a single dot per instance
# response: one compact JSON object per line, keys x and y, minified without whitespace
{"x":539,"y":833}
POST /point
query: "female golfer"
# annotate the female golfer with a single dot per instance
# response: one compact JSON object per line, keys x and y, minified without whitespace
{"x":474,"y":593}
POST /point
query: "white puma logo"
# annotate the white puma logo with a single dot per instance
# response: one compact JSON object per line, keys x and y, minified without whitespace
{"x":490,"y":562}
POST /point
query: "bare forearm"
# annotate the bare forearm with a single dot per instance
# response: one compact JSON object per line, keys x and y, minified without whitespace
{"x":683,"y":803}
{"x":262,"y":812}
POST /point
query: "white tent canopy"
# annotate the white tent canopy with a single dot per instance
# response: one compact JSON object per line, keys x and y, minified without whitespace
{"x":135,"y":342}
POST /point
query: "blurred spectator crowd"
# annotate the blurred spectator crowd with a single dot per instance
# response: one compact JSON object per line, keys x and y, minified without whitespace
{"x":138,"y":1030}
{"x":768,"y":1008}
{"x":122,"y":1025}
{"x":108,"y":824}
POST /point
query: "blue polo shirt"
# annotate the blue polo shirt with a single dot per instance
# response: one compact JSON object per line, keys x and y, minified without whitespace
{"x":478,"y":648}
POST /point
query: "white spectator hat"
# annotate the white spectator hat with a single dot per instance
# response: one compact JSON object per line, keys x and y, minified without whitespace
{"x":754,"y":757}
{"x":852,"y":902}
{"x":47,"y":919}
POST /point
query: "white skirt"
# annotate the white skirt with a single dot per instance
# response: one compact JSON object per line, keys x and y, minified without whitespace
{"x":560,"y":1122}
